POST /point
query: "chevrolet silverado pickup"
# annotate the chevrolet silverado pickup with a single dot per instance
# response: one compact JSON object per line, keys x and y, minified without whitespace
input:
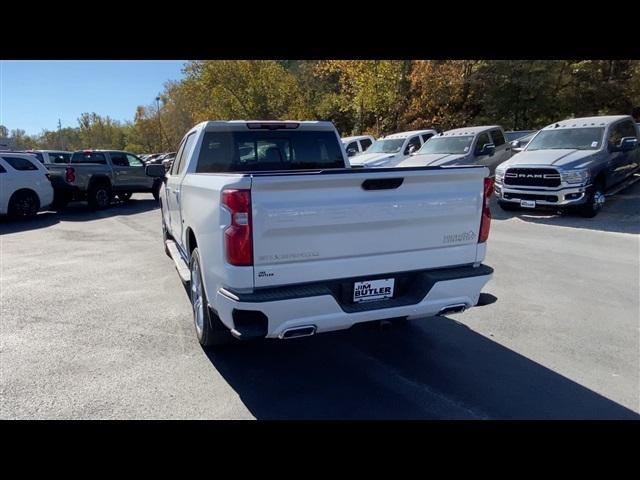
{"x":97,"y":176}
{"x":571,"y":165}
{"x":277,"y":237}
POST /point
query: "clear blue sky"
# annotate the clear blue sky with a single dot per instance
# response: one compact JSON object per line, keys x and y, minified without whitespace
{"x":35,"y":94}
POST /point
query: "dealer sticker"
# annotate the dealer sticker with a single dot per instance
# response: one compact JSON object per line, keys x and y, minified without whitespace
{"x":373,"y":290}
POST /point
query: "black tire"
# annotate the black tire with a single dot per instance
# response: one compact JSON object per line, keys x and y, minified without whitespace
{"x":508,"y":206}
{"x":99,"y":196}
{"x":211,"y":332}
{"x":23,"y":204}
{"x":60,"y":199}
{"x":595,"y":202}
{"x":156,"y":191}
{"x":124,"y":196}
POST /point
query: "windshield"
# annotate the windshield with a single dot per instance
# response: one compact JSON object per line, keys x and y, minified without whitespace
{"x":460,"y":144}
{"x":391,"y":145}
{"x":574,"y":138}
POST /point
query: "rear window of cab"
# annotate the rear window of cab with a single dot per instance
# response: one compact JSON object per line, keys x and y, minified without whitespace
{"x":266,"y":150}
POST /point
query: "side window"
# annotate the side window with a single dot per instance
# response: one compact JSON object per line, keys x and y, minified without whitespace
{"x":415,"y":142}
{"x":176,"y":161}
{"x":134,"y":161}
{"x":483,"y":139}
{"x":21,"y":164}
{"x":498,"y":138}
{"x":2,"y":169}
{"x":426,"y":136}
{"x":182,"y":161}
{"x":619,"y":131}
{"x":352,"y":145}
{"x":55,"y":157}
{"x":119,"y":159}
{"x":628,"y":129}
{"x":365,"y":143}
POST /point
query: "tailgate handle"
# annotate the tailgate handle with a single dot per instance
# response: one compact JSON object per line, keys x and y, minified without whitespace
{"x":382,"y":183}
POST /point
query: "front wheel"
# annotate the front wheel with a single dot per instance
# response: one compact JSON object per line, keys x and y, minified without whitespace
{"x":594,"y":203}
{"x":209,"y":328}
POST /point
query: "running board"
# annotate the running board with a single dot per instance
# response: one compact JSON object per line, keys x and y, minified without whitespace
{"x":181,"y":265}
{"x":632,"y":179}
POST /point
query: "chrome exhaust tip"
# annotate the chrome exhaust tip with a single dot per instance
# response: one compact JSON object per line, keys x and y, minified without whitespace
{"x":457,"y":308}
{"x":297,"y":332}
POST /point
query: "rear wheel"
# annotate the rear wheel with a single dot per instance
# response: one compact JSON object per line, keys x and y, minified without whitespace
{"x":23,"y":204}
{"x":209,"y":328}
{"x":508,"y":206}
{"x":99,"y":196}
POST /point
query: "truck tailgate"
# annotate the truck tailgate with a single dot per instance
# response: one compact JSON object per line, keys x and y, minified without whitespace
{"x":330,"y":225}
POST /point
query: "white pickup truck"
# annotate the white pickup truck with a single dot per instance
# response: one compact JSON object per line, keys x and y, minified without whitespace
{"x":279,"y":238}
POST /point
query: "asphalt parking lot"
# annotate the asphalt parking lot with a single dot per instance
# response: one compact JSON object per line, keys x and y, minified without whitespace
{"x":95,"y":324}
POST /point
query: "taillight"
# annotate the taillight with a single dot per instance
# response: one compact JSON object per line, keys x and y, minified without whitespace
{"x":70,"y":174}
{"x":485,"y":223}
{"x":237,"y":236}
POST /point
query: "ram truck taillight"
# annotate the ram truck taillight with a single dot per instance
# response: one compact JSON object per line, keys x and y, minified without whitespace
{"x":485,"y":222}
{"x":237,"y":236}
{"x":70,"y":175}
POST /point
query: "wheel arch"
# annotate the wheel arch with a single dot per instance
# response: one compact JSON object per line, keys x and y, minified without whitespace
{"x":98,"y":179}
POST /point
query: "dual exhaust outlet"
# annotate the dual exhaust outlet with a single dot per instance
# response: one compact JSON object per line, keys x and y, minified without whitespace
{"x":297,"y":332}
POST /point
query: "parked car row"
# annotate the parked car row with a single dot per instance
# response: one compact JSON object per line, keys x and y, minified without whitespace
{"x":33,"y":180}
{"x":569,"y":165}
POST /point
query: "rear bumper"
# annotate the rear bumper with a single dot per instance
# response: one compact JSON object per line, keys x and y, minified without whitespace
{"x":327,"y":306}
{"x":561,"y":197}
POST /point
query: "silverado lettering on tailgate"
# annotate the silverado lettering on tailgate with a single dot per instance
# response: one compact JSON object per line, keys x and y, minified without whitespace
{"x":459,"y":237}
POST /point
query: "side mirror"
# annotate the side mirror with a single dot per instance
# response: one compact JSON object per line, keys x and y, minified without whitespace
{"x":412,"y":148}
{"x":351,"y":152}
{"x":628,"y":143}
{"x":155,"y":170}
{"x":516,"y":144}
{"x":487,"y":149}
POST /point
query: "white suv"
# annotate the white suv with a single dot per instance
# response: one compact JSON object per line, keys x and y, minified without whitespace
{"x":24,"y":185}
{"x":392,"y":149}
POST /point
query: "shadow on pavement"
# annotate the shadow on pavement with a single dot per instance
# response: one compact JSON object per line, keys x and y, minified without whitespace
{"x":621,"y":214}
{"x":433,"y":368}
{"x":76,"y":212}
